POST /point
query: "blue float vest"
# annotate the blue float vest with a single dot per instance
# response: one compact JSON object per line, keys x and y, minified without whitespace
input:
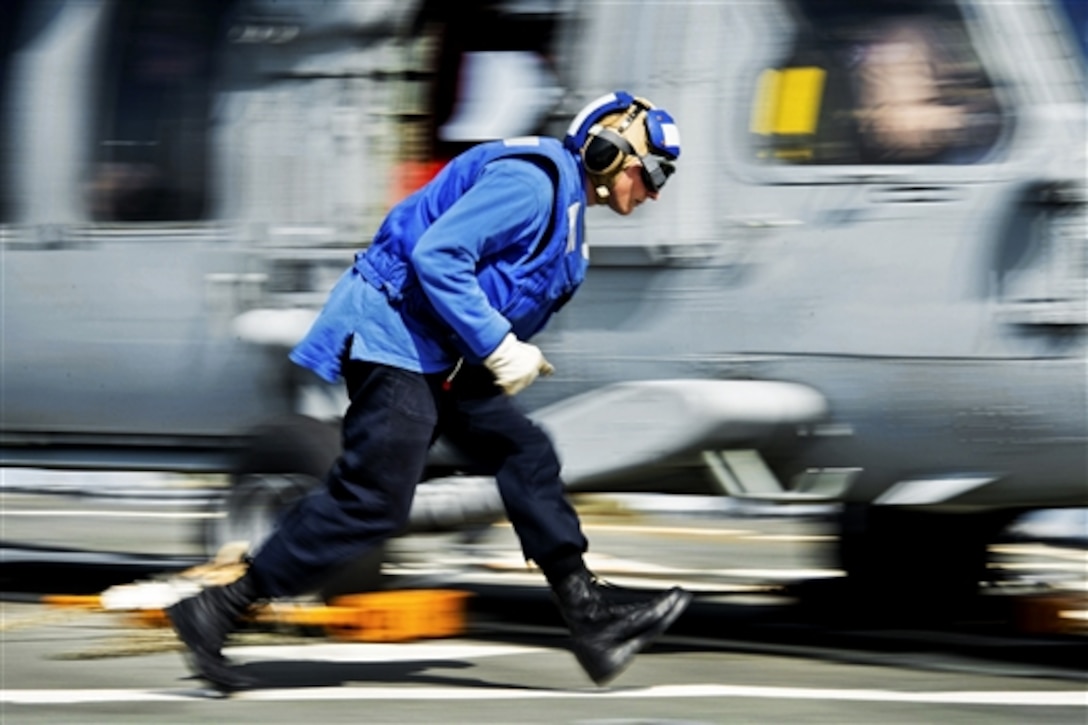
{"x":526,"y":286}
{"x":526,"y":291}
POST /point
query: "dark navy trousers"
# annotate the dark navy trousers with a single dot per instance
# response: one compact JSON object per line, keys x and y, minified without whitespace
{"x":394,"y":417}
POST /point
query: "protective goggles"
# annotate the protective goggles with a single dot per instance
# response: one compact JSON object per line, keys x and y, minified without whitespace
{"x":655,"y":172}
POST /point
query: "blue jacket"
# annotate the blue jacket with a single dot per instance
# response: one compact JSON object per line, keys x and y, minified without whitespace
{"x":493,"y":244}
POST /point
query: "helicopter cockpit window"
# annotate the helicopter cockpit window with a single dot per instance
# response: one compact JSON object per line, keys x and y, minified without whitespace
{"x":887,"y":82}
{"x":151,"y":152}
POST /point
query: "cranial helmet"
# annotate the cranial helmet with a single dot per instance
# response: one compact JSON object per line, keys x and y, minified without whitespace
{"x":618,"y":127}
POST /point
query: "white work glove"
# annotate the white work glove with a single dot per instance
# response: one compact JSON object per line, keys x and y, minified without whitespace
{"x":516,"y":364}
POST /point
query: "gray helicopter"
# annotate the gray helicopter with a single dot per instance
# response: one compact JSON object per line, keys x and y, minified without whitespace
{"x":868,"y":286}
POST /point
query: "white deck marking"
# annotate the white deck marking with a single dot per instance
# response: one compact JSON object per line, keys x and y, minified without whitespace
{"x":432,"y":651}
{"x":110,"y":514}
{"x":1063,"y":698}
{"x":379,"y":652}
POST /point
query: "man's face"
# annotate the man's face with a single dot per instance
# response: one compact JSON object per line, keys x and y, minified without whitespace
{"x":629,"y":190}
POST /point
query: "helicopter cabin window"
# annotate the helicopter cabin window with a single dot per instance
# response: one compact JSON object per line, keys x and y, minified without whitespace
{"x":875,"y":83}
{"x":10,"y":21}
{"x":1076,"y":12}
{"x":151,"y":147}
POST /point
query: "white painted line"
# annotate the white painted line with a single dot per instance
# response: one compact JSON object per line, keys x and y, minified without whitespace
{"x":535,"y":579}
{"x":792,"y":538}
{"x":609,"y":567}
{"x":1063,"y":698}
{"x":358,"y":652}
{"x":114,"y":514}
{"x":590,"y":525}
{"x":1077,"y":555}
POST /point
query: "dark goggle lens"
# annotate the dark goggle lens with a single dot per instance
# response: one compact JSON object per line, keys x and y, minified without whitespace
{"x":655,"y":173}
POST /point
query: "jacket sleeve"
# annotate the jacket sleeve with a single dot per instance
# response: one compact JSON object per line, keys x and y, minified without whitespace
{"x":504,"y":213}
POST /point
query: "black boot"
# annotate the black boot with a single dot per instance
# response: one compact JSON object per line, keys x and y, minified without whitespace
{"x":204,"y":621}
{"x":606,"y":637}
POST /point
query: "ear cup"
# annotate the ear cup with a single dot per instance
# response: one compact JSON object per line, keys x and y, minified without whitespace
{"x":600,"y":155}
{"x":606,"y":151}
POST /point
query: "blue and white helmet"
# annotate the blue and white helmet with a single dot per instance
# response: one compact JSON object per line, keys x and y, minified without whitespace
{"x":616,"y":126}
